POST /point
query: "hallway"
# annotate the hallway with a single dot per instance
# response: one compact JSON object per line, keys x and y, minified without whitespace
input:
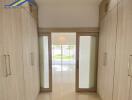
{"x":64,"y":86}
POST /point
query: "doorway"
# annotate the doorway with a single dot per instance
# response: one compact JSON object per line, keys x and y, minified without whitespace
{"x":63,"y":62}
{"x":68,"y":61}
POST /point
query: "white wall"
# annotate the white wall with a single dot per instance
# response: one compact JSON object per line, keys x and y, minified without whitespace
{"x":68,"y":13}
{"x":64,"y":38}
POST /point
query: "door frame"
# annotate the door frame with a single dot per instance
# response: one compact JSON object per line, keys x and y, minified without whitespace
{"x":78,"y":34}
{"x":48,"y":34}
{"x":91,"y":31}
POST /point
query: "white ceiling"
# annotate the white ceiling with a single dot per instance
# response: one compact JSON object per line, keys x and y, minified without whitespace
{"x":68,"y":13}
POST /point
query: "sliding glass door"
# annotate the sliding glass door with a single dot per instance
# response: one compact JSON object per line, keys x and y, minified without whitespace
{"x":45,"y":62}
{"x":86,"y":62}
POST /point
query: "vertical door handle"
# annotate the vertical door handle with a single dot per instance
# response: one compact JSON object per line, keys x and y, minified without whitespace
{"x":32,"y":58}
{"x":105,"y":59}
{"x":130,"y":66}
{"x":9,"y":65}
{"x":5,"y":63}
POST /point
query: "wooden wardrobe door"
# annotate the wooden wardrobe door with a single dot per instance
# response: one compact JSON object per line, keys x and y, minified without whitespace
{"x":110,"y":53}
{"x":123,"y":91}
{"x":28,"y":70}
{"x":34,"y":55}
{"x":3,"y":73}
{"x":101,"y":59}
{"x":35,"y":60}
{"x":18,"y":51}
{"x":107,"y":54}
{"x":128,"y":30}
{"x":120,"y":50}
{"x":11,"y":80}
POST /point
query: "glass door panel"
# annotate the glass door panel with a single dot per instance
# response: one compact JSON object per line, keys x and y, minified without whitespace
{"x":86,"y":62}
{"x":45,"y":62}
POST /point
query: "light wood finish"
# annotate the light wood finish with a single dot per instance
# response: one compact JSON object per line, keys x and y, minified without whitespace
{"x":30,"y":56}
{"x":35,"y":56}
{"x":14,"y":80}
{"x":122,"y":80}
{"x":92,"y":30}
{"x":16,"y":41}
{"x":107,"y":47}
{"x":102,"y":50}
{"x":3,"y":88}
{"x":124,"y":50}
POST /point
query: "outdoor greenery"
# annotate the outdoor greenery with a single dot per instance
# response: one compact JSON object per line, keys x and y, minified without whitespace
{"x":64,"y":57}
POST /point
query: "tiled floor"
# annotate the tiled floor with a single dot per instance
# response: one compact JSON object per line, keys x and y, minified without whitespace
{"x":64,"y":86}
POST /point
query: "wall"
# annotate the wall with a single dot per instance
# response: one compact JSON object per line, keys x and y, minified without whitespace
{"x":68,"y":13}
{"x":64,"y":38}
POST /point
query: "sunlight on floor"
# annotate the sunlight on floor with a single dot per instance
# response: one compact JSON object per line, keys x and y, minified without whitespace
{"x":64,"y":86}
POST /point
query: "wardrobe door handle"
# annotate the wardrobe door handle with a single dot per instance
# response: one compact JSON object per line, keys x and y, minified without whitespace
{"x":32,"y":59}
{"x":5,"y":63}
{"x":105,"y":59}
{"x":9,"y":65}
{"x":130,"y":66}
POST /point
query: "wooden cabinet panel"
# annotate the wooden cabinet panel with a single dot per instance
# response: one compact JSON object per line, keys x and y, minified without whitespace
{"x":122,"y":90}
{"x":110,"y":52}
{"x":26,"y":36}
{"x":107,"y":49}
{"x":3,"y":88}
{"x":9,"y":50}
{"x":119,"y":52}
{"x":115,"y":82}
{"x":18,"y":51}
{"x":30,"y":56}
{"x":35,"y":56}
{"x":19,"y":78}
{"x":102,"y":49}
{"x":13,"y":51}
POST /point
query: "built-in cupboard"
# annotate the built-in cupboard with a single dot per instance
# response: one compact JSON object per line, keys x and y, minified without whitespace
{"x":115,"y":50}
{"x":19,"y":69}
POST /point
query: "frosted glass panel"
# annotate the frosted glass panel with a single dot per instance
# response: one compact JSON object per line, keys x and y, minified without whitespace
{"x":87,"y":62}
{"x":44,"y":62}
